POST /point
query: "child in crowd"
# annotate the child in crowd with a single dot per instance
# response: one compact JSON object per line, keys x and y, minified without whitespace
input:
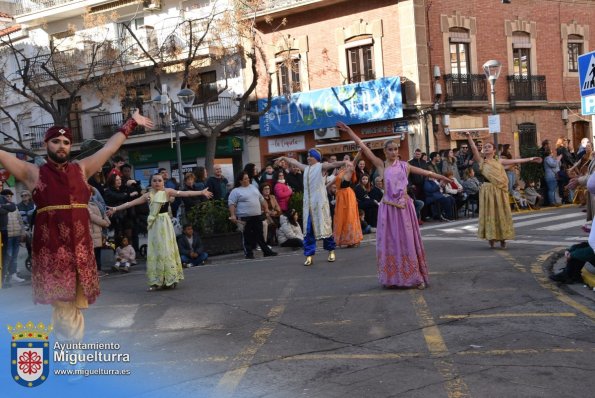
{"x":125,"y":255}
{"x":191,"y":250}
{"x":518,"y":196}
{"x":366,"y":228}
{"x":533,"y":197}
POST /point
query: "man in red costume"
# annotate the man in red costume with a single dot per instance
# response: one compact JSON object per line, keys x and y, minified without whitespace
{"x":64,"y":272}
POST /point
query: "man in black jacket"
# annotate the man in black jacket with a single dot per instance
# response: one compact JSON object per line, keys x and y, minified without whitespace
{"x":217,"y":183}
{"x":190,"y":247}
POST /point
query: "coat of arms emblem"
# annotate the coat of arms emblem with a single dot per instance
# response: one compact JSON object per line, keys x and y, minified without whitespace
{"x":30,"y":353}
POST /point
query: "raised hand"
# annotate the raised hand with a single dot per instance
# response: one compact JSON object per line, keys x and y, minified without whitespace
{"x":141,"y":120}
{"x":345,"y":128}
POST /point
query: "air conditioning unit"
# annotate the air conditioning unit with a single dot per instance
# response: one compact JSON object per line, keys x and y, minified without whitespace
{"x":152,"y":5}
{"x":326,"y":133}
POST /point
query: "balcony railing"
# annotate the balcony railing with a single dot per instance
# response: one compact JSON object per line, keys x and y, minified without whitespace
{"x":216,"y":112}
{"x":106,"y":125}
{"x":27,"y":6}
{"x":465,"y":87}
{"x":269,"y":6}
{"x":527,"y":88}
{"x":38,"y":132}
{"x":63,"y":64}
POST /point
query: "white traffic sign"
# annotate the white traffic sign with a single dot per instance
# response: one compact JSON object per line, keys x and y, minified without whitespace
{"x":494,"y":123}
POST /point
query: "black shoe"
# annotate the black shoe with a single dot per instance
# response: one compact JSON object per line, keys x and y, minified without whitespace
{"x":271,"y":254}
{"x":250,"y":256}
{"x":560,"y":277}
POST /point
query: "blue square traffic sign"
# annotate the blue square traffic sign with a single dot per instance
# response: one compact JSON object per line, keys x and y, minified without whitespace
{"x":586,"y":72}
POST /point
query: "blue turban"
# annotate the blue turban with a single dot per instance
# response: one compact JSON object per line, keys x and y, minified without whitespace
{"x":315,"y":154}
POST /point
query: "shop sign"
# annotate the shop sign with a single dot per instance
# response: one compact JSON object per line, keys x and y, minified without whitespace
{"x":351,"y":146}
{"x":277,"y":145}
{"x":476,"y":133}
{"x":369,"y":101}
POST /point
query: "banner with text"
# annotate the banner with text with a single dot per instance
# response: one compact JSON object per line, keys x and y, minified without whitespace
{"x":358,"y":103}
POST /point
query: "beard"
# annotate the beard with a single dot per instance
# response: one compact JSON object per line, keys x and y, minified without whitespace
{"x":58,"y":157}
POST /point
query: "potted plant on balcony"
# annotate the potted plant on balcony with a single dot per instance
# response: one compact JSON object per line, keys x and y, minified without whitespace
{"x":218,"y":234}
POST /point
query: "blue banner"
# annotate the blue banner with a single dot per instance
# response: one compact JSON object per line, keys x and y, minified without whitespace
{"x":358,"y":103}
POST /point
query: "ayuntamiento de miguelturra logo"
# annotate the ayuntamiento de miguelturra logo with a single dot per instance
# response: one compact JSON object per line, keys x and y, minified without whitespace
{"x":30,"y":353}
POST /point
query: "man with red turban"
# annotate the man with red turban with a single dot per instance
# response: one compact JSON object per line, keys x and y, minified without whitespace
{"x":64,"y":273}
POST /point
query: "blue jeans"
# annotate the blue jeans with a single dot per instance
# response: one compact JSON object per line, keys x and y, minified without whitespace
{"x":552,"y":187}
{"x":194,"y":261}
{"x":12,"y":252}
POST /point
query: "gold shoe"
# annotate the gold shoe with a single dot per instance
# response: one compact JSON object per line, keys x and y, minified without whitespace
{"x":308,"y":261}
{"x":331,"y":256}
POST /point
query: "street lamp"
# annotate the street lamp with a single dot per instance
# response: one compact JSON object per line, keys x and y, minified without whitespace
{"x":492,"y":71}
{"x":162,"y":103}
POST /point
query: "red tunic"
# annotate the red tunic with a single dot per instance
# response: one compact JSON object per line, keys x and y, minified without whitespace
{"x":62,"y":244}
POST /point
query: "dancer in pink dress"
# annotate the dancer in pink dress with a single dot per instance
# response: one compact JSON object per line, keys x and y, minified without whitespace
{"x":400,"y":255}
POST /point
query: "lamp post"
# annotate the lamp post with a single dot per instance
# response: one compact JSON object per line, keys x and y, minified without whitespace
{"x":162,"y":103}
{"x":492,"y":71}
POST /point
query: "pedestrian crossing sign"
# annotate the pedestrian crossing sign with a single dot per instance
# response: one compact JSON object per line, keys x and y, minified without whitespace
{"x":586,"y":71}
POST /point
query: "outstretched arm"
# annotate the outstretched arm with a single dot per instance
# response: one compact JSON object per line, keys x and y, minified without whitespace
{"x":378,"y":163}
{"x":507,"y":162}
{"x":90,"y":165}
{"x":23,"y":171}
{"x":186,"y":194}
{"x":142,"y":199}
{"x":428,"y":173}
{"x":474,"y":151}
{"x":291,"y":161}
{"x":333,"y":165}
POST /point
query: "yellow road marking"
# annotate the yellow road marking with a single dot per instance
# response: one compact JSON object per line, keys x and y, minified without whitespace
{"x":537,"y":271}
{"x":518,"y":266}
{"x":455,"y":386}
{"x":511,"y":315}
{"x":241,"y":362}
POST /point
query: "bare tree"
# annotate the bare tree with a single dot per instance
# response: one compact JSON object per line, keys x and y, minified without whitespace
{"x":228,"y":38}
{"x":39,"y":74}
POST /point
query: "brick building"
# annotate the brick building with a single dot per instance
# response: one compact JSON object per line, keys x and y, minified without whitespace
{"x":437,"y":49}
{"x":537,"y":43}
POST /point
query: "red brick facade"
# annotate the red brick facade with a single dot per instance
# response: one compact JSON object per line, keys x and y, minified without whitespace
{"x":418,"y":31}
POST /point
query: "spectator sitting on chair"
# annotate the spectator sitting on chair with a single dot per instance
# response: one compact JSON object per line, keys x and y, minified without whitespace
{"x":518,"y":196}
{"x":532,"y":196}
{"x":435,"y":194}
{"x":190,"y":247}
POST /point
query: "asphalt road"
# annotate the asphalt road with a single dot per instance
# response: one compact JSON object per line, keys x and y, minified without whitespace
{"x":489,"y":325}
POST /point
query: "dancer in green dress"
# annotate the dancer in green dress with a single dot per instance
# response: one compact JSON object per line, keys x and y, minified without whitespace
{"x":164,"y":267}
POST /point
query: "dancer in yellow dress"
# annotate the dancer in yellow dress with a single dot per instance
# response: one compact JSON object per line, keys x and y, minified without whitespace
{"x":495,"y":217}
